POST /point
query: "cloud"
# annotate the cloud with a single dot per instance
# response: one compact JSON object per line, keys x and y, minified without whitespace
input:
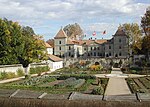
{"x":95,"y":13}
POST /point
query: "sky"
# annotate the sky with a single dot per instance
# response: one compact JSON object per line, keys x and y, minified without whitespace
{"x":46,"y":17}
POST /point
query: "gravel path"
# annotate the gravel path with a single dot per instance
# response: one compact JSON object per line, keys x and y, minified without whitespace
{"x":117,"y":86}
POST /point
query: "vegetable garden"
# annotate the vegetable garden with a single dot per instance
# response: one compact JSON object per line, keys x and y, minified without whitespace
{"x":60,"y":84}
{"x":139,"y":85}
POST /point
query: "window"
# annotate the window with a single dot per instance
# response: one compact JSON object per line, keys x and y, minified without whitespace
{"x":109,"y":53}
{"x":94,"y":48}
{"x":59,"y":48}
{"x":69,"y":54}
{"x":97,"y":48}
{"x":120,"y":40}
{"x":69,"y":48}
{"x":109,"y":47}
{"x":85,"y":49}
{"x":59,"y":42}
{"x":119,"y":47}
{"x":120,"y":54}
{"x":91,"y":48}
{"x":94,"y":53}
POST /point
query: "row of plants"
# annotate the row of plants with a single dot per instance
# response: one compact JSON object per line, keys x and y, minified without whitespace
{"x":39,"y":69}
{"x":9,"y":75}
{"x":35,"y":81}
{"x":71,"y":82}
{"x":137,"y":86}
{"x":77,"y":76}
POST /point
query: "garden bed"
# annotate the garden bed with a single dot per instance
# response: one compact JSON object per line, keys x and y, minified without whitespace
{"x":140,"y":85}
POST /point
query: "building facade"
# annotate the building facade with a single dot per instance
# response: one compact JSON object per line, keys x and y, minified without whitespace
{"x":117,"y":47}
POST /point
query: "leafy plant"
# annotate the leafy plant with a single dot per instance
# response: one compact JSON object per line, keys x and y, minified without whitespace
{"x":20,"y":72}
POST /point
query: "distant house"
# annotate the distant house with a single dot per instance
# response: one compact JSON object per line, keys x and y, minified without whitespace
{"x":55,"y":62}
{"x":49,"y":48}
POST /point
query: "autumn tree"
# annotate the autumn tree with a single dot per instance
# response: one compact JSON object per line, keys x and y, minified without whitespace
{"x":134,"y":34}
{"x":73,"y":30}
{"x":145,"y":22}
{"x":19,"y":44}
{"x":11,"y":44}
{"x":34,"y":48}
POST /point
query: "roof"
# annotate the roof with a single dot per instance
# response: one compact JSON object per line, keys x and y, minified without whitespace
{"x":50,"y":42}
{"x":69,"y":42}
{"x":101,"y":41}
{"x":54,"y":58}
{"x":47,"y":45}
{"x":88,"y":42}
{"x":120,"y":32}
{"x":60,"y":34}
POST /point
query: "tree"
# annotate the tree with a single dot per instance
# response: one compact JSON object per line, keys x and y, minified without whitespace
{"x":145,"y":22}
{"x":73,"y":30}
{"x":10,"y":42}
{"x":34,"y":48}
{"x":20,"y":44}
{"x":134,"y":34}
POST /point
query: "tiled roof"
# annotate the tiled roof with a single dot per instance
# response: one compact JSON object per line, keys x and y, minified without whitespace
{"x":60,"y":34}
{"x":50,"y":42}
{"x":47,"y":45}
{"x":101,"y":41}
{"x":69,"y":42}
{"x":88,"y":42}
{"x":120,"y":32}
{"x":54,"y":58}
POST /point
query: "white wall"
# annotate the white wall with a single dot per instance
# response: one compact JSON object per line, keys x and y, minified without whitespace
{"x":11,"y":68}
{"x":55,"y":65}
{"x":50,"y":51}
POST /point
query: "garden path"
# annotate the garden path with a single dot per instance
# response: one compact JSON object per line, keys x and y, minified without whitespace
{"x":116,"y":85}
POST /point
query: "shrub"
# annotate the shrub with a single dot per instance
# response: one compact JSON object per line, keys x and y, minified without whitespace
{"x":7,"y":75}
{"x":10,"y":75}
{"x":3,"y":75}
{"x":39,"y":70}
{"x":98,"y":91}
{"x":20,"y":72}
{"x":96,"y":67}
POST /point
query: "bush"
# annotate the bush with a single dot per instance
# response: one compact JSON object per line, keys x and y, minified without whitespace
{"x":3,"y":75}
{"x":7,"y":75}
{"x":20,"y":73}
{"x":39,"y":70}
{"x":136,"y":68}
{"x":96,"y":67}
{"x":98,"y":91}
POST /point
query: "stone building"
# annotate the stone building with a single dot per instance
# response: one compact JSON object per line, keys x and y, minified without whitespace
{"x":117,"y":47}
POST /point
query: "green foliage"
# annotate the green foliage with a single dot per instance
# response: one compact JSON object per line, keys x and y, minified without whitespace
{"x":20,"y":73}
{"x":19,"y":44}
{"x":7,"y":75}
{"x":98,"y":91}
{"x":145,"y":22}
{"x":39,"y":70}
{"x":77,"y":76}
